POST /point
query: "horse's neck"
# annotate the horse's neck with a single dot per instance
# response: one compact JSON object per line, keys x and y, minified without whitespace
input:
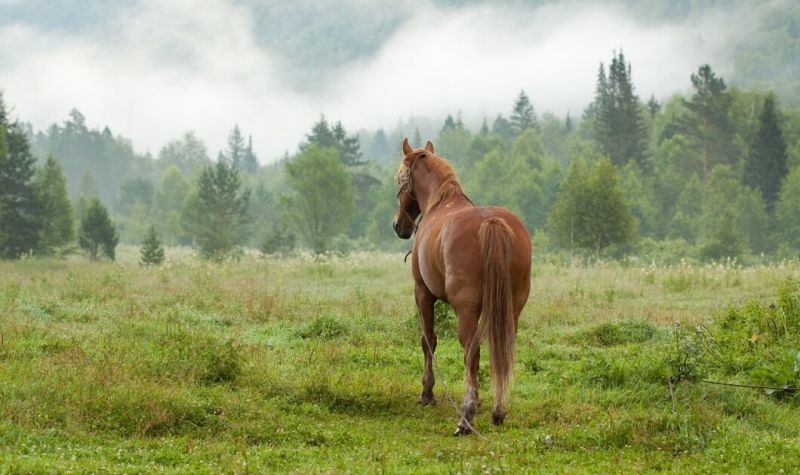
{"x":448,"y":194}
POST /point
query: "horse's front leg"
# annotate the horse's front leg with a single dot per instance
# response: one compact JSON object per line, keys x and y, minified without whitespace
{"x":425,"y":302}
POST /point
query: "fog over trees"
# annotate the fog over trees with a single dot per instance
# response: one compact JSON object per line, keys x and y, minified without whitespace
{"x":706,"y":171}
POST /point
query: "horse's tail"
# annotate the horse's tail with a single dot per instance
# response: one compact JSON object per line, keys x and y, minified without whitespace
{"x":497,"y":322}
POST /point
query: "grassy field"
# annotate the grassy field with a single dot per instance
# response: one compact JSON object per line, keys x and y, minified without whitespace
{"x":303,"y":365}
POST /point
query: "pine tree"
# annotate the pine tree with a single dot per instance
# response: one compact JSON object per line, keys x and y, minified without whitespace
{"x":449,"y":124}
{"x":19,"y":206}
{"x":379,"y":147}
{"x":766,"y":167}
{"x":653,"y":106}
{"x":522,"y":117}
{"x":235,"y":152}
{"x":321,"y":135}
{"x":349,"y":146}
{"x":324,"y":136}
{"x":502,"y":128}
{"x":97,"y":233}
{"x":56,"y":209}
{"x":618,"y":124}
{"x":484,"y":132}
{"x":708,"y":124}
{"x":459,"y":122}
{"x":249,"y":160}
{"x":216,"y":213}
{"x":417,"y":138}
{"x":152,"y":250}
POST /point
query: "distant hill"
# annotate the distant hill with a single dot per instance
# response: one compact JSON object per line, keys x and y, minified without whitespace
{"x":315,"y":37}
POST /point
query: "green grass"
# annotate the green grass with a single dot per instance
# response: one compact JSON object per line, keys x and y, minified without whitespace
{"x":313,"y":365}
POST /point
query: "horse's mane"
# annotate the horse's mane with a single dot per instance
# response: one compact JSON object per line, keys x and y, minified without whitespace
{"x":449,"y":185}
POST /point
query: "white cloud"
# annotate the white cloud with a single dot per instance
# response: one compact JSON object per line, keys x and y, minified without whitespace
{"x":173,"y":67}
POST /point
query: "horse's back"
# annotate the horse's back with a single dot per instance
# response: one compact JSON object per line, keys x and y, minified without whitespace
{"x":461,"y":248}
{"x":464,"y":226}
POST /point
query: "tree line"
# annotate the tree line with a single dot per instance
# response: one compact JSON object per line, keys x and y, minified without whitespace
{"x":711,"y":175}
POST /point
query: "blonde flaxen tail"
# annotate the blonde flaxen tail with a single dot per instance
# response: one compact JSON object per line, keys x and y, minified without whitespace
{"x":497,"y":323}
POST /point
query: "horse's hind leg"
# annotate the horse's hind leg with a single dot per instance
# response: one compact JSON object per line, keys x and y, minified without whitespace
{"x":467,"y":331}
{"x":425,"y":302}
{"x":499,"y":410}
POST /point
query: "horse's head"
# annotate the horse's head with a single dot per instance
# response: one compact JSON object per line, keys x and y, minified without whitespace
{"x":407,"y":207}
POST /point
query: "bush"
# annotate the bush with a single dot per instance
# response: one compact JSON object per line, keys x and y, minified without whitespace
{"x":279,"y":240}
{"x":324,"y":328}
{"x":620,"y":333}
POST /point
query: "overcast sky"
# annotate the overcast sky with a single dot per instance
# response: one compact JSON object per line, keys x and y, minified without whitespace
{"x":164,"y":68}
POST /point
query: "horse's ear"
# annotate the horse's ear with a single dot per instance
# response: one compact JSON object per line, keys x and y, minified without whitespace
{"x":429,"y":147}
{"x":406,"y":147}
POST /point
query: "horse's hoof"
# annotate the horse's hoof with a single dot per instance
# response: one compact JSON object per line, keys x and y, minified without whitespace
{"x":426,"y":399}
{"x":498,"y":419}
{"x":462,"y":430}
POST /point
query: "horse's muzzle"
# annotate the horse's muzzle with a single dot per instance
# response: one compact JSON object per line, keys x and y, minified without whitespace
{"x":403,"y":232}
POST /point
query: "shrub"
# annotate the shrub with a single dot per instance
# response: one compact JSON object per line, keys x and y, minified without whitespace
{"x":324,"y":328}
{"x":620,"y":333}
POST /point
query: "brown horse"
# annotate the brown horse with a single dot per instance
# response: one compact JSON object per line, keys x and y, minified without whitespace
{"x":476,"y":259}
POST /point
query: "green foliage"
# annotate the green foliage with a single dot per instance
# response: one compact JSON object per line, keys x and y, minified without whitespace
{"x":787,"y":210}
{"x":723,"y":238}
{"x":324,"y":328}
{"x":565,"y":217}
{"x":591,"y":211}
{"x":132,"y":191}
{"x":184,"y":365}
{"x":444,"y":320}
{"x":324,"y":136}
{"x":733,"y":217}
{"x":216,"y":213}
{"x":522,"y":115}
{"x":188,"y":155}
{"x":57,"y":226}
{"x":621,"y":333}
{"x":454,"y":144}
{"x":783,"y":378}
{"x":789,"y":303}
{"x":365,"y":188}
{"x":524,"y":180}
{"x":19,"y":207}
{"x":152,"y":248}
{"x":279,"y":240}
{"x":686,"y":220}
{"x":238,"y":155}
{"x":501,"y":127}
{"x":97,"y":233}
{"x":755,"y":341}
{"x":708,"y":123}
{"x":321,"y":204}
{"x":619,"y":127}
{"x":766,"y":166}
{"x":641,"y":193}
{"x":79,"y":149}
{"x":170,"y":196}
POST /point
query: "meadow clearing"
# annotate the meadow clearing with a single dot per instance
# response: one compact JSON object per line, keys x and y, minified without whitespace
{"x":312,"y":365}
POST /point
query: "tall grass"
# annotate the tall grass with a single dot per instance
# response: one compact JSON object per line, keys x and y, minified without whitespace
{"x":313,"y":365}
